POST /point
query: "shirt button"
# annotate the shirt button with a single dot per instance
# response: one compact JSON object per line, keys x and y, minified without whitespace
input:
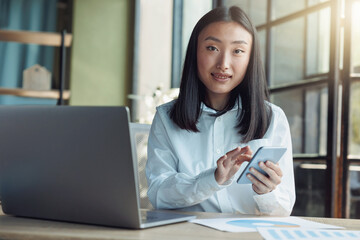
{"x":218,"y":151}
{"x":219,"y":119}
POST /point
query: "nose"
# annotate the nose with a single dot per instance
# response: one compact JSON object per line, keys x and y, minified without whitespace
{"x":223,"y":62}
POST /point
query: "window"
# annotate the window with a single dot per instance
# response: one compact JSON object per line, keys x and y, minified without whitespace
{"x":162,"y":32}
{"x":312,"y":62}
{"x":152,"y":55}
{"x":351,"y":105}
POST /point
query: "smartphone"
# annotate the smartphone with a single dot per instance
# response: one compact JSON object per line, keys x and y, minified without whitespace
{"x":263,"y":154}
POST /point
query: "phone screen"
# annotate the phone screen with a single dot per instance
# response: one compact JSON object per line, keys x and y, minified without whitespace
{"x":263,"y":154}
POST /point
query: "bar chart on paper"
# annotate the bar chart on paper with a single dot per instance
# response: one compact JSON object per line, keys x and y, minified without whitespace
{"x":304,"y":233}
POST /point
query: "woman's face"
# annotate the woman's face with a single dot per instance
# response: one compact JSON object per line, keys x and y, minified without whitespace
{"x":223,"y":54}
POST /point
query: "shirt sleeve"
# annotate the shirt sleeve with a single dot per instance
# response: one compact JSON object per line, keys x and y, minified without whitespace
{"x":169,"y":189}
{"x":280,"y":201}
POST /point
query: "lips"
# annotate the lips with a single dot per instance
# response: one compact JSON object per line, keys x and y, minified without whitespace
{"x":222,"y":77}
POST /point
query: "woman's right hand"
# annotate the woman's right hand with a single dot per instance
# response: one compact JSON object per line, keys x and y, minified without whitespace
{"x":230,"y":163}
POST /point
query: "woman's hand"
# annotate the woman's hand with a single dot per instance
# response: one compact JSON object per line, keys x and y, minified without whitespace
{"x":263,"y":184}
{"x":230,"y":163}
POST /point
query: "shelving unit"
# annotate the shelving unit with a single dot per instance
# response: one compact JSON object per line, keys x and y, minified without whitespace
{"x":61,"y":40}
{"x":53,"y":94}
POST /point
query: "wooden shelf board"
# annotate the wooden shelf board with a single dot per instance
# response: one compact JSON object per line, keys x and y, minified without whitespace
{"x":52,"y":94}
{"x":30,"y":37}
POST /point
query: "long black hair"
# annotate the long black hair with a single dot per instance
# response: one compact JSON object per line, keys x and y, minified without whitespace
{"x":255,"y":115}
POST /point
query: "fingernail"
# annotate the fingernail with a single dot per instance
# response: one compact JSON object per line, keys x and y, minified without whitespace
{"x":251,"y":169}
{"x":249,"y":176}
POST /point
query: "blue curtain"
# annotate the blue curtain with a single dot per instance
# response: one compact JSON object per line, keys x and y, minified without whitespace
{"x":32,"y":15}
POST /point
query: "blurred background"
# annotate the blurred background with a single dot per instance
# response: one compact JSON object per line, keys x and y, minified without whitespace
{"x":130,"y":52}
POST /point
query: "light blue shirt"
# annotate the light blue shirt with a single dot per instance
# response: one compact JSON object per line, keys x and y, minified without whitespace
{"x":181,"y":165}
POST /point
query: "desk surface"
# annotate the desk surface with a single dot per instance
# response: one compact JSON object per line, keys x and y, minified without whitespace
{"x":31,"y":229}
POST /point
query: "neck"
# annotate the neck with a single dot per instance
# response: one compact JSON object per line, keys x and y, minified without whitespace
{"x":217,"y":102}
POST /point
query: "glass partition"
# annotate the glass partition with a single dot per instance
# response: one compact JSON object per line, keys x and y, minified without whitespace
{"x":287,"y":52}
{"x":354,"y":191}
{"x":354,"y":127}
{"x":318,"y":42}
{"x":355,"y":46}
{"x":255,"y":9}
{"x":306,"y":110}
{"x":310,"y":184}
{"x":282,"y":8}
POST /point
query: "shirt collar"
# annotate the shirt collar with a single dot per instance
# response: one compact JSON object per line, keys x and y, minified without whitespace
{"x":237,"y":106}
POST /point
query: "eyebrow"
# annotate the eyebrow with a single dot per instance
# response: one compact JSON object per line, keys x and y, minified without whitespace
{"x":218,"y":40}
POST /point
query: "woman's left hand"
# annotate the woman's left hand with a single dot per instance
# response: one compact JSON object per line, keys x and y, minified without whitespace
{"x":264,"y":184}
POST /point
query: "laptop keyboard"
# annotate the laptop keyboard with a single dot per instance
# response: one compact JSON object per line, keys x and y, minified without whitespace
{"x":162,"y":217}
{"x":149,"y":216}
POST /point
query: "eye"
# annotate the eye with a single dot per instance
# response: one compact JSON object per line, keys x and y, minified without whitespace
{"x":211,"y":48}
{"x":238,"y":51}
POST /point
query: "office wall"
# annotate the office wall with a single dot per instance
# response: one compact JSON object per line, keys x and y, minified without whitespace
{"x":101,"y":52}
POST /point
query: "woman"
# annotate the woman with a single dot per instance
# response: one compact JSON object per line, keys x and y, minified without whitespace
{"x":197,"y":143}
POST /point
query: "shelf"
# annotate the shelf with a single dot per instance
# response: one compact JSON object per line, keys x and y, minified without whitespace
{"x":29,"y":37}
{"x":52,"y":94}
{"x":40,"y":38}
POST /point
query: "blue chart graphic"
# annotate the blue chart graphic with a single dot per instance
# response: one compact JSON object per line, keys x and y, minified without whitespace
{"x":292,"y":234}
{"x":260,"y":223}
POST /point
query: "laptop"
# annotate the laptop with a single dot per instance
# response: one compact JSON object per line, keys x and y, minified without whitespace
{"x":75,"y":164}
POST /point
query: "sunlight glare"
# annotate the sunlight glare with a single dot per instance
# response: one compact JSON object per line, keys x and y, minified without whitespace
{"x":355,"y":31}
